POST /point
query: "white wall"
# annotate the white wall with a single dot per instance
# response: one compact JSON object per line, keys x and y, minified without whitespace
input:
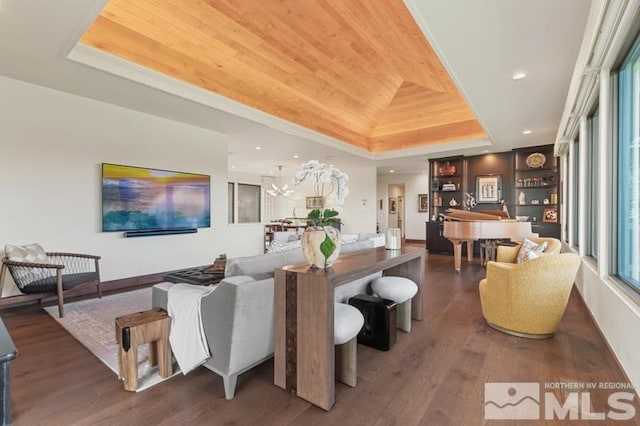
{"x":414,"y":184}
{"x":52,"y":147}
{"x":358,"y":214}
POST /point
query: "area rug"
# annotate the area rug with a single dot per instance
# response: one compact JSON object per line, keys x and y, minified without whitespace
{"x":92,"y":323}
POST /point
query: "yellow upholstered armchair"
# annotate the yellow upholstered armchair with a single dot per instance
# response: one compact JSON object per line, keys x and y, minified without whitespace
{"x":528,"y":299}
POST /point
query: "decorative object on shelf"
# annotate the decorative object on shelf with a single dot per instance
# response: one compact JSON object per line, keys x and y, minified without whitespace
{"x":280,"y":190}
{"x":393,"y":239}
{"x":536,"y":160}
{"x":522,"y":199}
{"x":522,"y":218}
{"x":550,"y":215}
{"x":314,"y":203}
{"x":535,"y":202}
{"x":219,"y":264}
{"x":505,"y":207}
{"x":453,"y":202}
{"x":447,"y":170}
{"x":435,"y":185}
{"x":554,"y":198}
{"x":449,"y":187}
{"x":393,"y":206}
{"x":489,"y":189}
{"x":469,"y":201}
{"x":321,"y":240}
{"x":545,"y":201}
{"x":423,"y":203}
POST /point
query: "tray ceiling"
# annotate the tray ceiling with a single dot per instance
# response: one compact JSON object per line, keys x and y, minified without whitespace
{"x":358,"y":71}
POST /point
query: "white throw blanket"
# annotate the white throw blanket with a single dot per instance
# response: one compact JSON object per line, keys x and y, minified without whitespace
{"x":188,"y":341}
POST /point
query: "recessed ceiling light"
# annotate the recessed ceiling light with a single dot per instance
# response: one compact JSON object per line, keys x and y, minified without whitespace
{"x":392,"y":171}
{"x":258,"y":148}
{"x":233,"y":167}
{"x":296,"y":156}
{"x":519,"y":76}
{"x":526,"y":132}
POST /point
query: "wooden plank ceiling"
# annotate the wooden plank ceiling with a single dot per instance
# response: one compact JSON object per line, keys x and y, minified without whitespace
{"x":360,"y":71}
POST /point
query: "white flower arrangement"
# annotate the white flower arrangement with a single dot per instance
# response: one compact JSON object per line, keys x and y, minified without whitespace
{"x":324,"y":176}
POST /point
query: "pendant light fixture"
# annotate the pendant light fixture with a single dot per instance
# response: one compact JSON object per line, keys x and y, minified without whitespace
{"x":280,"y":190}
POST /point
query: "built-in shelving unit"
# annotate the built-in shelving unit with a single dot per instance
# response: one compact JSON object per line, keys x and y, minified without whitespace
{"x":537,"y":189}
{"x":447,"y":184}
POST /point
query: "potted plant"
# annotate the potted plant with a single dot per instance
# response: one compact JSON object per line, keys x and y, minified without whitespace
{"x":321,"y":240}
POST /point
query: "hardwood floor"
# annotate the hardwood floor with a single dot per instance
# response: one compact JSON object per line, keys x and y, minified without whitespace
{"x":435,"y":375}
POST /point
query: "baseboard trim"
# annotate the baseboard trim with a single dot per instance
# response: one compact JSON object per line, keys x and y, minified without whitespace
{"x":408,"y":241}
{"x":106,"y":286}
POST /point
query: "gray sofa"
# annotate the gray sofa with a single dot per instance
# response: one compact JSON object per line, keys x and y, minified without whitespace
{"x":238,"y":314}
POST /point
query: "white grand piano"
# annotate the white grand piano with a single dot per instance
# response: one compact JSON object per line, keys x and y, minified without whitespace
{"x":464,"y":226}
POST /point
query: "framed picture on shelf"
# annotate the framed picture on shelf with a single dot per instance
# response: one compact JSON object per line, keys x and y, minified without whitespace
{"x":423,"y":203}
{"x":488,"y":189}
{"x":314,"y":203}
{"x":393,"y":205}
{"x":550,"y":215}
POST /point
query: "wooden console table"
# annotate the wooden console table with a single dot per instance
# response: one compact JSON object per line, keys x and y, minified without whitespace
{"x":304,"y":361}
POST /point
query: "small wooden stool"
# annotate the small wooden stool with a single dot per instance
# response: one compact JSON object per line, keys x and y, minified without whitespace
{"x":132,"y":330}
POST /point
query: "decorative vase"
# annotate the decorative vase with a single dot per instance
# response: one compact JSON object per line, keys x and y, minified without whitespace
{"x":311,"y":240}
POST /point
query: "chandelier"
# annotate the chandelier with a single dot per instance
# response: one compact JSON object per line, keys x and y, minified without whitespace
{"x":279,"y":191}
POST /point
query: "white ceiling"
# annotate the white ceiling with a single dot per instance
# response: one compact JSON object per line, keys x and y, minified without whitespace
{"x":482,"y":43}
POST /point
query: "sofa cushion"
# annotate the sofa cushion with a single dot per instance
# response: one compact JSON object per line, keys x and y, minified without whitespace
{"x":261,"y":266}
{"x":530,"y":250}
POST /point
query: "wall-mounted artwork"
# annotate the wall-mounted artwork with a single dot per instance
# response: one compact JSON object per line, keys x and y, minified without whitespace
{"x":137,"y":198}
{"x":550,"y":215}
{"x":423,"y":203}
{"x":314,"y":203}
{"x":393,"y":205}
{"x":488,"y":189}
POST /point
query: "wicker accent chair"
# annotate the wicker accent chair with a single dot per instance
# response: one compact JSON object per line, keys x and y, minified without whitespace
{"x":64,"y":273}
{"x":528,"y":299}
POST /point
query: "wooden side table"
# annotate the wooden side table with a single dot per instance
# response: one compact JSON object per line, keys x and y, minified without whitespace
{"x":133,"y":330}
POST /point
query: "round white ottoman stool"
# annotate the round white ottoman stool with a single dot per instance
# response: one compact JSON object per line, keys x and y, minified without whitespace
{"x":400,"y":290}
{"x":347,"y":322}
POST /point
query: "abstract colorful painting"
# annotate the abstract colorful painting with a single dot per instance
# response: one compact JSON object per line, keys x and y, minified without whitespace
{"x":136,"y":198}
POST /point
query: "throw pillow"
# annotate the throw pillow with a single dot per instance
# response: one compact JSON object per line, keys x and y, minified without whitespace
{"x":32,"y":253}
{"x":530,"y":250}
{"x":277,"y":246}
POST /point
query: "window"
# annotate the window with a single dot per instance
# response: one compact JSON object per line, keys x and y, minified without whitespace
{"x":231,"y":202}
{"x":574,"y":179}
{"x":628,"y":194}
{"x":591,"y":243}
{"x":249,"y":203}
